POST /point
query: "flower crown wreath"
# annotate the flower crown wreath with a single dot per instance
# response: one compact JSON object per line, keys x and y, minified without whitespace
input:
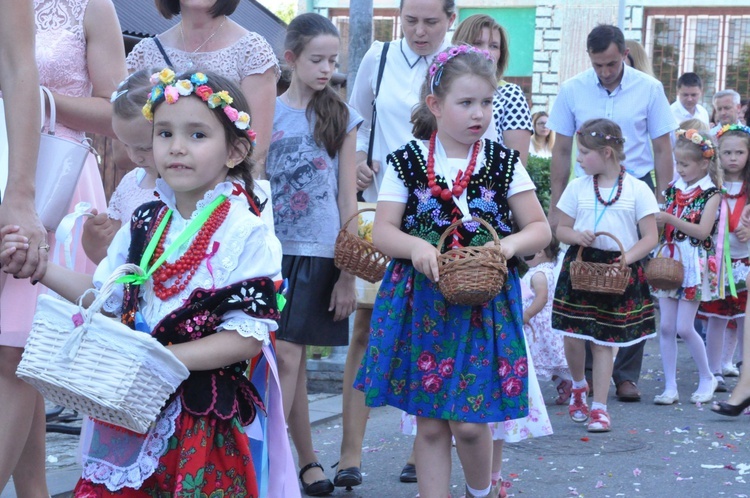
{"x":705,"y":144}
{"x":441,"y":59}
{"x":732,"y":127}
{"x":167,"y":87}
{"x":609,"y":138}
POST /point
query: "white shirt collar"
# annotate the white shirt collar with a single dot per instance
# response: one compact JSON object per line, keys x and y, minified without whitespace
{"x":412,"y":58}
{"x":704,"y":183}
{"x":166,"y":194}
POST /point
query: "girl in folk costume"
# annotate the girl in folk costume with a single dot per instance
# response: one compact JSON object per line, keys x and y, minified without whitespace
{"x":732,"y":258}
{"x":608,"y":199}
{"x":456,"y":368}
{"x":689,"y":219}
{"x":208,"y":295}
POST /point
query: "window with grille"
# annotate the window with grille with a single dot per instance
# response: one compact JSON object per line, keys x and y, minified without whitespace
{"x":714,"y":43}
{"x":385,"y":27}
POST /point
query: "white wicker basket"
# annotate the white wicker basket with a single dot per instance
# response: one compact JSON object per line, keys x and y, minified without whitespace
{"x":83,"y":360}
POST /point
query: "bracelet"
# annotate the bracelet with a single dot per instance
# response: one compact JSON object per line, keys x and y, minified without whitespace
{"x":662,"y":206}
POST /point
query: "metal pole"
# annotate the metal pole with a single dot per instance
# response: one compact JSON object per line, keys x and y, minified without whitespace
{"x":621,"y":15}
{"x":360,"y":37}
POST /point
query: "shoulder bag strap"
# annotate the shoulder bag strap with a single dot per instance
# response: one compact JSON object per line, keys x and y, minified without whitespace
{"x":163,"y":52}
{"x":374,"y":109}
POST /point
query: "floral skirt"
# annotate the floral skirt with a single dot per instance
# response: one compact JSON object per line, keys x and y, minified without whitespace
{"x":606,"y":319}
{"x":205,"y":457}
{"x":437,"y":360}
{"x":730,"y":307}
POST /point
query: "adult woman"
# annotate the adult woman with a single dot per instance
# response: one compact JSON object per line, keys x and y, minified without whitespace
{"x":543,"y":138}
{"x":510,"y":109}
{"x":205,"y":37}
{"x":637,"y":57}
{"x":425,"y":24}
{"x":80,"y":56}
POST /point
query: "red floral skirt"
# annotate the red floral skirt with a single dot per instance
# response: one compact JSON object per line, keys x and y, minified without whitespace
{"x":206,"y":457}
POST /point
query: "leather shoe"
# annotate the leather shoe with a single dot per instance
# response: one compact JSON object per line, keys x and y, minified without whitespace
{"x":318,"y":488}
{"x":628,"y":391}
{"x":348,"y":478}
{"x":724,"y":408}
{"x":408,"y":473}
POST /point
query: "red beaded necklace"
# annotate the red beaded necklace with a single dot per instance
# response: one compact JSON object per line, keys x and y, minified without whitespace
{"x":739,"y":194}
{"x":462,"y":179}
{"x":620,"y":179}
{"x":184,"y":268}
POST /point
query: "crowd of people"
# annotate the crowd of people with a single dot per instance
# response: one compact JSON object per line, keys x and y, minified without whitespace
{"x":234,"y":206}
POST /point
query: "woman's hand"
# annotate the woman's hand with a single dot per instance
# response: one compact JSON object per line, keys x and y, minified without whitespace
{"x":365,"y":174}
{"x":585,"y":238}
{"x":343,"y":298}
{"x":424,"y":258}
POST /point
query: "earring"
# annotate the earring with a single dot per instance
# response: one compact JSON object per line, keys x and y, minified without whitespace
{"x":230,"y":164}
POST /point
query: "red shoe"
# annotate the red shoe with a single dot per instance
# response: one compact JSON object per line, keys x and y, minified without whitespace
{"x":563,"y":389}
{"x":578,"y":408}
{"x":600,"y":421}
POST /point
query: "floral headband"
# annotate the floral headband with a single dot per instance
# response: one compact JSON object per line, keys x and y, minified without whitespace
{"x":705,"y":144}
{"x":441,"y":59}
{"x":167,"y":87}
{"x":617,"y":140}
{"x":733,"y":127}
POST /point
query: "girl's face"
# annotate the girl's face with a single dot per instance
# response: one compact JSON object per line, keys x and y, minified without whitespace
{"x":540,"y":127}
{"x":489,"y":40}
{"x":190,"y":150}
{"x":592,"y":161}
{"x":425,"y":25}
{"x":315,"y":65}
{"x":689,"y":167}
{"x":733,"y":153}
{"x":464,"y":113}
{"x":135,"y":135}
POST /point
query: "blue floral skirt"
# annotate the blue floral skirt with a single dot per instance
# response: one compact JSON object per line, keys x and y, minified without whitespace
{"x":437,"y":360}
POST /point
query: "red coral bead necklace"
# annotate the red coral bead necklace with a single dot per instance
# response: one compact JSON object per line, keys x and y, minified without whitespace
{"x":462,"y":179}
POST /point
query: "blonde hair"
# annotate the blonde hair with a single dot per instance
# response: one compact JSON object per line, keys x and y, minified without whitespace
{"x":697,"y":153}
{"x":695,"y":124}
{"x":638,"y":57}
{"x":600,"y":134}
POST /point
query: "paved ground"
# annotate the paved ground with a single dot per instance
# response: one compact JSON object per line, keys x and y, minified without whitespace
{"x":683,"y":450}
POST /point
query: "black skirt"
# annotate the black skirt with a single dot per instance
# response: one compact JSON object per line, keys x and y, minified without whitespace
{"x":306,"y":319}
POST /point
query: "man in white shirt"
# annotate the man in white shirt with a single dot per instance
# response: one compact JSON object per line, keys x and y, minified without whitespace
{"x":727,"y":106}
{"x":689,"y":94}
{"x":611,"y":89}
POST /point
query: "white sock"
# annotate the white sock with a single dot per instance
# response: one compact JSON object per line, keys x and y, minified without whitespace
{"x":479,"y":493}
{"x":598,"y":406}
{"x":579,"y":384}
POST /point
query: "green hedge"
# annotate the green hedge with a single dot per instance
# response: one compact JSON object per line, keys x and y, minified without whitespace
{"x":538,"y":169}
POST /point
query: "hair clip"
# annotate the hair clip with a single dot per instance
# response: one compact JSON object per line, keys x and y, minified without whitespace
{"x":117,"y":94}
{"x":167,"y":87}
{"x":441,"y":59}
{"x":732,"y":127}
{"x":609,"y":138}
{"x":696,"y":138}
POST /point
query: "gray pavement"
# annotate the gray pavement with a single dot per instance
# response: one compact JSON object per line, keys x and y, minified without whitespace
{"x":653,"y":451}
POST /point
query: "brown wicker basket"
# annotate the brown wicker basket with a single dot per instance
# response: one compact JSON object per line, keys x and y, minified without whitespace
{"x":665,"y":273}
{"x":471,"y":276}
{"x":355,"y":255}
{"x":602,"y":278}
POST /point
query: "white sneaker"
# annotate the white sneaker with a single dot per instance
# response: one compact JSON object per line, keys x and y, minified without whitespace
{"x":730,"y":370}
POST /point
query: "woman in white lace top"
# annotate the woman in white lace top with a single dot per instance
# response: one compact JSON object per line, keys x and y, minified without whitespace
{"x":206,"y":38}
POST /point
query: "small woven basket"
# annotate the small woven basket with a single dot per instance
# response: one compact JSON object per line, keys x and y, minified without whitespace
{"x":471,"y":276}
{"x":355,"y":255}
{"x":85,"y":361}
{"x":602,"y":278}
{"x":665,"y":273}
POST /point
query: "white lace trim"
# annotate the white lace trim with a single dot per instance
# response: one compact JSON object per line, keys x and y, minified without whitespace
{"x":127,"y":197}
{"x":246,"y":328}
{"x":153,"y":447}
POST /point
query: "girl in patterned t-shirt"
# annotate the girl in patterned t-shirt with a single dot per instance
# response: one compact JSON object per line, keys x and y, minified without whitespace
{"x":419,"y":358}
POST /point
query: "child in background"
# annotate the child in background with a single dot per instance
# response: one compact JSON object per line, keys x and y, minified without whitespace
{"x":454,"y":386}
{"x":137,"y":186}
{"x":689,"y":220}
{"x":202,"y":146}
{"x":734,"y":157}
{"x":607,"y":199}
{"x":545,"y":346}
{"x":312,"y":169}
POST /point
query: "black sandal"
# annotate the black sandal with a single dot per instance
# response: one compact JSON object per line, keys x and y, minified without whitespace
{"x":323,"y":487}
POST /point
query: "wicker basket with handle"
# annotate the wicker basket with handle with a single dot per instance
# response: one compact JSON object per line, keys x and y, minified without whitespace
{"x":474,"y":275}
{"x":357,"y":256}
{"x":663,"y":272}
{"x":603,"y":278}
{"x":85,"y":361}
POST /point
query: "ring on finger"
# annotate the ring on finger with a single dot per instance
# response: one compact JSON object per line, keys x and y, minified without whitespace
{"x":44,"y":247}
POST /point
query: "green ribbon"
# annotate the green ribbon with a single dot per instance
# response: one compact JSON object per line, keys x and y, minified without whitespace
{"x":186,"y":234}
